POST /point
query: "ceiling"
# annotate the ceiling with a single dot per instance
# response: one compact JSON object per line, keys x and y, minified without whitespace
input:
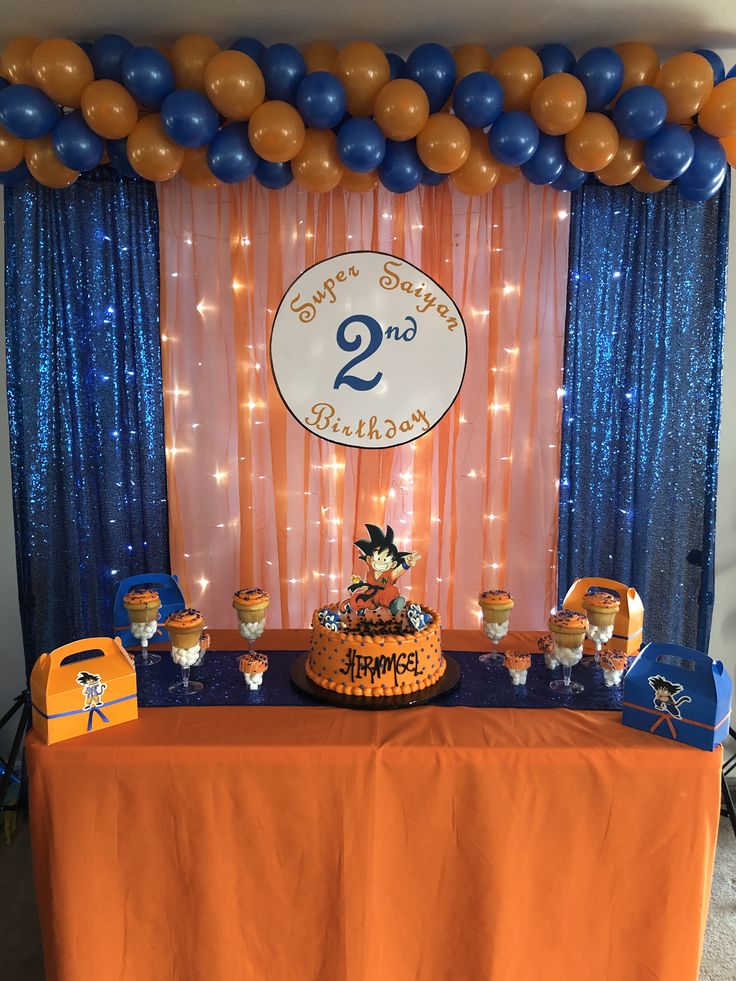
{"x":668,"y":24}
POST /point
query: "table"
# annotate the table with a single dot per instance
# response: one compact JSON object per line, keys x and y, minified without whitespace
{"x":318,"y":844}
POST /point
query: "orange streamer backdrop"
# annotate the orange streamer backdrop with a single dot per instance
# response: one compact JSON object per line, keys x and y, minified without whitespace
{"x":254,"y":499}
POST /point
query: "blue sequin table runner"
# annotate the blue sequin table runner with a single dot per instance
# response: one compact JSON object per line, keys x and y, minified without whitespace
{"x":480,"y":686}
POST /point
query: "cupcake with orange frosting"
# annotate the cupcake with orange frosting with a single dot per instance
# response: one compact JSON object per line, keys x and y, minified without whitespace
{"x":253,"y":665}
{"x":496,"y":605}
{"x":517,"y":664}
{"x":568,"y":629}
{"x":142,"y":606}
{"x":601,"y":608}
{"x":547,"y":647}
{"x":185,"y":629}
{"x":251,"y":606}
{"x":614,"y":664}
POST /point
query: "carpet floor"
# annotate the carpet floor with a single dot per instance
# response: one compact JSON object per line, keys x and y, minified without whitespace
{"x":21,"y":945}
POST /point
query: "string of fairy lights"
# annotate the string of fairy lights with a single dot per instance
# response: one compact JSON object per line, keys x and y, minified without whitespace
{"x":396,"y":500}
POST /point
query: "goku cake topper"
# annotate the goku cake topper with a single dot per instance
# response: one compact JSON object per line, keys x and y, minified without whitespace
{"x":377,"y":589}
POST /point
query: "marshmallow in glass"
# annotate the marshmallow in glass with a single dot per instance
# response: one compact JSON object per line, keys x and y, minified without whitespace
{"x":601,"y":608}
{"x":251,"y":606}
{"x":496,"y":605}
{"x":567,"y":629}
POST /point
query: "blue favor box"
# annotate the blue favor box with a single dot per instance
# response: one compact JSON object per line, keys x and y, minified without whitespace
{"x":679,"y":694}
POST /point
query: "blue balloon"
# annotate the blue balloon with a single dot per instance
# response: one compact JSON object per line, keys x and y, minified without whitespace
{"x":86,"y":46}
{"x":732,"y":73}
{"x":15,"y":176}
{"x":26,"y":112}
{"x":117,"y":151}
{"x":396,"y":64}
{"x":148,"y":76}
{"x":709,"y":161}
{"x":273,"y":175}
{"x":694,"y":192}
{"x":556,"y":58}
{"x":231,"y":158}
{"x":640,"y":112}
{"x":478,"y":100}
{"x":75,"y":144}
{"x":432,"y":179}
{"x":601,"y":71}
{"x":669,"y":153}
{"x":570,"y":179}
{"x":513,"y":138}
{"x":433,"y":67}
{"x":321,"y":100}
{"x":250,"y":46}
{"x":548,"y":161}
{"x":107,"y":56}
{"x":716,"y":63}
{"x":361,"y":145}
{"x":401,"y":169}
{"x":283,"y":69}
{"x":189,"y":118}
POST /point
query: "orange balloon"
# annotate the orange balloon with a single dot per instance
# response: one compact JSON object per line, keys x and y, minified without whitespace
{"x":151,"y":152}
{"x":15,"y":60}
{"x":189,"y":57}
{"x":363,"y":70}
{"x":729,"y":145}
{"x":471,"y":58}
{"x":358,"y":183}
{"x":11,"y":150}
{"x":234,"y":84}
{"x":647,"y":184}
{"x":686,"y":82}
{"x":195,"y":170}
{"x":317,"y":167}
{"x":625,"y":165}
{"x":276,"y":131}
{"x":45,"y":166}
{"x":718,"y":115}
{"x":593,"y":143}
{"x":508,"y":174}
{"x":401,"y":109}
{"x":109,"y":109}
{"x":444,"y":143}
{"x":480,"y":172}
{"x":320,"y":56}
{"x":165,"y":51}
{"x":519,"y":71}
{"x":641,"y":64}
{"x":62,"y":70}
{"x":558,"y":104}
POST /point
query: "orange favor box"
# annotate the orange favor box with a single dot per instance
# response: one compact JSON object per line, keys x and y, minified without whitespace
{"x":627,"y":627}
{"x":73,"y":697}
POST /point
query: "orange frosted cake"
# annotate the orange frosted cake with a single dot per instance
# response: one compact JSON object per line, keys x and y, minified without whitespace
{"x":372,"y":656}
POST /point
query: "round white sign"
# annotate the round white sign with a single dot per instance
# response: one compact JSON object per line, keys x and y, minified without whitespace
{"x":367,"y":350}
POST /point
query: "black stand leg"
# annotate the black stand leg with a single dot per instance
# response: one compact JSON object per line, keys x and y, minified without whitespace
{"x":728,"y":808}
{"x":22,"y":704}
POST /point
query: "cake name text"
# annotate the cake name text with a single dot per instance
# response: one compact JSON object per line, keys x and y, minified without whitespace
{"x":361,"y":666}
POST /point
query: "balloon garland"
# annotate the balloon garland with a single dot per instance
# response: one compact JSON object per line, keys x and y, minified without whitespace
{"x":351,"y":117}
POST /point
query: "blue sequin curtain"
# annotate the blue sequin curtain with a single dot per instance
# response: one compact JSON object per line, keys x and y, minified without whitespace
{"x":84,"y":400}
{"x":642,"y":402}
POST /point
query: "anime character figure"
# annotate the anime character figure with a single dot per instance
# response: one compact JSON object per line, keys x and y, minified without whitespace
{"x":93,"y":689}
{"x":664,"y":696}
{"x":385,"y":563}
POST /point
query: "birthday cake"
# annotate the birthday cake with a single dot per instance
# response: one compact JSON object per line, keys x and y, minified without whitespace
{"x":373,"y":644}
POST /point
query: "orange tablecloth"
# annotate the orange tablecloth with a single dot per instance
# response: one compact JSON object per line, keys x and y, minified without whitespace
{"x":318,"y":844}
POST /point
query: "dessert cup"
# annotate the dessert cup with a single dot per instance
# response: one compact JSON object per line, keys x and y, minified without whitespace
{"x":518,"y":665}
{"x":496,"y":605}
{"x":142,"y":607}
{"x":567,"y":630}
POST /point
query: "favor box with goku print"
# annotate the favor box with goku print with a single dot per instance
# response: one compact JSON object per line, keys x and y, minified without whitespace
{"x":83,"y":687}
{"x":679,"y":694}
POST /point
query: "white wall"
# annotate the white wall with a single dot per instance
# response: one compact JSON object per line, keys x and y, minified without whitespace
{"x":723,"y":635}
{"x":11,"y":647}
